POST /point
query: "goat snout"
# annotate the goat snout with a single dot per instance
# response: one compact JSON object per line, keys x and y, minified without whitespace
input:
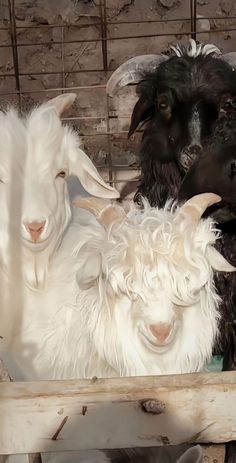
{"x":35,"y":229}
{"x":161,"y":331}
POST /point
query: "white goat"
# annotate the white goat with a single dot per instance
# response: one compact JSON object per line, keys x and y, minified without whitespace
{"x":131,"y":295}
{"x":37,"y":154}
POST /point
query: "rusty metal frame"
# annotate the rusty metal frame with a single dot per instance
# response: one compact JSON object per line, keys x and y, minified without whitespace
{"x":104,"y":38}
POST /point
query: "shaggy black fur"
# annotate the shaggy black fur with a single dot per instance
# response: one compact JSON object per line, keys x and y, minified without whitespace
{"x":216,"y":171}
{"x":166,"y":102}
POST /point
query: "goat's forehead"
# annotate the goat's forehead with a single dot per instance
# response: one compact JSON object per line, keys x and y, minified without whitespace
{"x":155,"y":238}
{"x":45,"y":134}
{"x":34,"y":140}
{"x":12,"y":140}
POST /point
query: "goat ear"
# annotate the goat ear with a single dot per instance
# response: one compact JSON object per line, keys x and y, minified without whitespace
{"x":192,"y":455}
{"x":90,"y":263}
{"x":230,"y":58}
{"x":62,"y":102}
{"x":81,"y":166}
{"x":217,"y":261}
{"x":141,"y":112}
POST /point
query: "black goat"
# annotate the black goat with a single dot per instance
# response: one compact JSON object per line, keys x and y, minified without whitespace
{"x":215,"y":171}
{"x":179,"y":100}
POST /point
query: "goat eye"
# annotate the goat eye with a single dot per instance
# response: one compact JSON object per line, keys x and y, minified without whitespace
{"x":233,"y":168}
{"x":61,"y":174}
{"x":171,"y":140}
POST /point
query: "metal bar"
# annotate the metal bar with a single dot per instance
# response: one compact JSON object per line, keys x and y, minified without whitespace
{"x":103,"y":33}
{"x":166,"y":34}
{"x":62,"y":58}
{"x":109,"y":156}
{"x":105,"y":60}
{"x":58,"y":89}
{"x":117,"y":23}
{"x":84,"y":118}
{"x":44,"y":73}
{"x":11,"y":8}
{"x":194,"y":11}
{"x":191,"y":15}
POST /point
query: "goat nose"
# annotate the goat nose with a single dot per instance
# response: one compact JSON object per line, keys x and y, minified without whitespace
{"x":35,"y":229}
{"x":161,"y":331}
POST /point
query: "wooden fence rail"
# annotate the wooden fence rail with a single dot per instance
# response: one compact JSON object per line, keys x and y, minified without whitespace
{"x":117,"y":413}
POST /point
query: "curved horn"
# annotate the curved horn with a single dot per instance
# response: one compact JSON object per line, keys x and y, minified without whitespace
{"x":62,"y":102}
{"x":230,"y":58}
{"x":104,"y":211}
{"x":132,"y":71}
{"x":196,"y":206}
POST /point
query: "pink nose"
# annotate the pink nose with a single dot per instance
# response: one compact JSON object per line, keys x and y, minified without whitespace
{"x":35,"y":229}
{"x":161,"y":331}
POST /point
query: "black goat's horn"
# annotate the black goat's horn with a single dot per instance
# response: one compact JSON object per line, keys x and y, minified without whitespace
{"x":132,"y":71}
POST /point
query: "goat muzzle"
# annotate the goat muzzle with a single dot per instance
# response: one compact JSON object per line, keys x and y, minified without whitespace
{"x":35,"y":229}
{"x":162,"y":332}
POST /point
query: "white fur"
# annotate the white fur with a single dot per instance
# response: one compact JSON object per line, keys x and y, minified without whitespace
{"x":33,"y":150}
{"x":105,"y":288}
{"x":193,"y":49}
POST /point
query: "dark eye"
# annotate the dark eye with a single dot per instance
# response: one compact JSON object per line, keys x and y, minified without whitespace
{"x":61,"y":174}
{"x":171,"y":140}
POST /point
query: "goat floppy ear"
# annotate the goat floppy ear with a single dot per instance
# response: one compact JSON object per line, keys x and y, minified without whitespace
{"x":82,"y":167}
{"x":90,"y":263}
{"x":61,"y":103}
{"x":141,"y":112}
{"x":192,"y":455}
{"x":217,"y":261}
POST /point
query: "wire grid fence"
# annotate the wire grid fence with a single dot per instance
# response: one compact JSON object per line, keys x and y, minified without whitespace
{"x":99,"y":124}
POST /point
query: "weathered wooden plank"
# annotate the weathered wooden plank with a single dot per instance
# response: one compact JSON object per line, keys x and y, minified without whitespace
{"x":214,"y":453}
{"x":116,"y":413}
{"x":4,"y":375}
{"x":34,"y":458}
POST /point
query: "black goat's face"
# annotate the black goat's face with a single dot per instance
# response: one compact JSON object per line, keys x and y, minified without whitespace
{"x":179,"y":104}
{"x":214,"y":171}
{"x":182,"y":127}
{"x":198,"y":118}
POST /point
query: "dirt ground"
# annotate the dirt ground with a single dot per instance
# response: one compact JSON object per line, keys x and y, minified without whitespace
{"x":72,"y":65}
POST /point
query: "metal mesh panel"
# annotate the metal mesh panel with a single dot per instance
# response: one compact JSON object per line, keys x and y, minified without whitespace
{"x":41,"y":58}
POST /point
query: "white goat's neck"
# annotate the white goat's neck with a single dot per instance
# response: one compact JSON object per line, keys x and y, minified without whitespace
{"x":36,"y":265}
{"x":35,"y":268}
{"x":30,"y":267}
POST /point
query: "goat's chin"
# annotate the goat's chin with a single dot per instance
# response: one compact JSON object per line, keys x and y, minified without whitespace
{"x":40,"y":245}
{"x":151,"y":342}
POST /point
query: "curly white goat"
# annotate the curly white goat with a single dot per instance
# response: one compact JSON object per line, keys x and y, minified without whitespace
{"x":127,"y":295}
